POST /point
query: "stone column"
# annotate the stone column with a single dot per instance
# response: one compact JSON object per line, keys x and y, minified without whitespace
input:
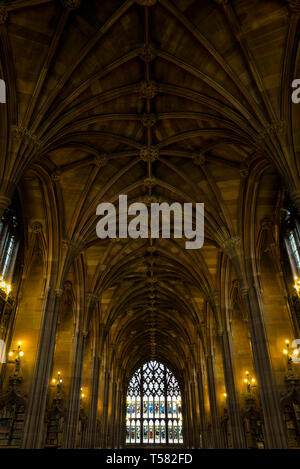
{"x":273,"y":420}
{"x":195,"y":426}
{"x":186,"y":417}
{"x":274,"y":426}
{"x":34,"y":426}
{"x":104,"y":426}
{"x":112,"y":423}
{"x":73,"y":410}
{"x":118,"y":411}
{"x":200,"y":391}
{"x":215,"y":420}
{"x":93,"y":409}
{"x":238,"y":439}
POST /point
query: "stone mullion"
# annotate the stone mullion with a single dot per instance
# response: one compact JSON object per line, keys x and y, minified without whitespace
{"x":93,"y":408}
{"x":273,"y":419}
{"x":232,"y":399}
{"x":34,"y":426}
{"x":72,"y":419}
{"x":215,"y":420}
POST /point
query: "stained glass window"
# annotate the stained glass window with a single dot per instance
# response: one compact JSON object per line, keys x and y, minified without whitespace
{"x":9,"y":242}
{"x":153,"y":407}
{"x":295,"y":249}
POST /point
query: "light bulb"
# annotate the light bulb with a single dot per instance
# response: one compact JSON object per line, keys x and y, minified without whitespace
{"x":10,"y":354}
{"x":21,"y":353}
{"x":285,"y":352}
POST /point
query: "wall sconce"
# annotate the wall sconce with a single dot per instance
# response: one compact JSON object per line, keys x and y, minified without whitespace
{"x":17,"y":354}
{"x":57,"y":381}
{"x":250,"y":382}
{"x":291,"y":356}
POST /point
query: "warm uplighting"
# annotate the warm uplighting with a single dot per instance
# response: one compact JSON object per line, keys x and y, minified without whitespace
{"x":57,"y":380}
{"x":291,"y":355}
{"x":5,"y":286}
{"x":250,"y":382}
{"x":297,"y":285}
{"x":225,"y":394}
{"x":16,"y":355}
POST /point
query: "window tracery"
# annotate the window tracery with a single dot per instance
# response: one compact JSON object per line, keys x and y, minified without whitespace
{"x":154,"y":408}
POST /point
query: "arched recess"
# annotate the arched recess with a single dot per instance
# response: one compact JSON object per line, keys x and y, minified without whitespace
{"x":273,"y":293}
{"x":30,"y":302}
{"x":241,"y":340}
{"x":65,"y":333}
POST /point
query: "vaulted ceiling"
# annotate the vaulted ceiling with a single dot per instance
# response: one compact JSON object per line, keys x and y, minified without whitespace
{"x":162,"y":100}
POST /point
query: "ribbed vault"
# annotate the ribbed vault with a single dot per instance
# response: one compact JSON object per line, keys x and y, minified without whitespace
{"x":162,"y":101}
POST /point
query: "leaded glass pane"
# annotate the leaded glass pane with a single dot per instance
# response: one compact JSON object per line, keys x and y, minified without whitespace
{"x":153,"y":407}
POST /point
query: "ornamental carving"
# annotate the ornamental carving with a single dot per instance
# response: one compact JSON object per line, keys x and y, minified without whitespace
{"x":100,"y":160}
{"x":36,"y":227}
{"x":148,"y":89}
{"x":199,"y":159}
{"x":149,"y":154}
{"x":147,"y":52}
{"x":149,"y":183}
{"x":149,"y":120}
